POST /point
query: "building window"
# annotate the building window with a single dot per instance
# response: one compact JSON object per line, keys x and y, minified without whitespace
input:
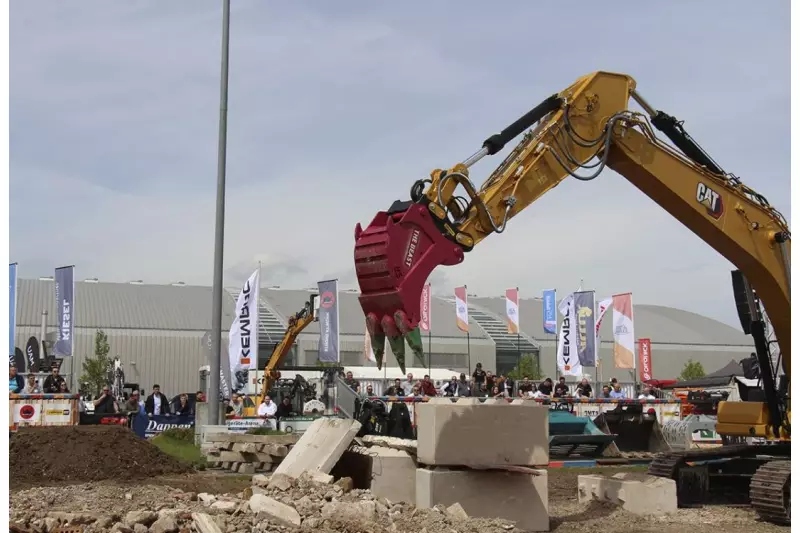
{"x":265,"y":352}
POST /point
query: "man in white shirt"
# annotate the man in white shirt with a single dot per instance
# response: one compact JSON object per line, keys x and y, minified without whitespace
{"x":647,"y":394}
{"x":267,"y":411}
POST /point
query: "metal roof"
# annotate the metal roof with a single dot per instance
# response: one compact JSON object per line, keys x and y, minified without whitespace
{"x":188,"y":308}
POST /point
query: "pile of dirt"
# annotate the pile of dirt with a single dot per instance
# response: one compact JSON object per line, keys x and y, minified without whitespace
{"x":79,"y":454}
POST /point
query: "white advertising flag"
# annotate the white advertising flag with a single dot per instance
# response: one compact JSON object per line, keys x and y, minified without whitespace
{"x":602,"y":307}
{"x":568,"y":362}
{"x":512,"y":311}
{"x":368,"y":351}
{"x":462,"y":311}
{"x":243,"y":337}
{"x":624,"y":340}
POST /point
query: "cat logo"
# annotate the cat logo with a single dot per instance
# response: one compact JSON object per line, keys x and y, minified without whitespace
{"x":710,"y":199}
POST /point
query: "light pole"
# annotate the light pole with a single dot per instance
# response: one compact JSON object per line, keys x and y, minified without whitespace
{"x":219,"y":232}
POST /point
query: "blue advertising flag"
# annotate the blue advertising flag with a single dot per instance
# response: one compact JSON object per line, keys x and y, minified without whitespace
{"x":549,"y":311}
{"x":328,"y":321}
{"x":584,"y":311}
{"x":65,"y":310}
{"x":12,"y":308}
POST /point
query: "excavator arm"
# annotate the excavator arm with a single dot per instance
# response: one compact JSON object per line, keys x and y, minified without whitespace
{"x":297,"y":323}
{"x":587,"y":126}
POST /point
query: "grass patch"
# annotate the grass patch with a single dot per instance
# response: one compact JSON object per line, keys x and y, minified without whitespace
{"x":175,"y":444}
{"x":265,"y":431}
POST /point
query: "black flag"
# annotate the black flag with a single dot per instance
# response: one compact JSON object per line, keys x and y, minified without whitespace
{"x":19,"y":360}
{"x":32,"y":354}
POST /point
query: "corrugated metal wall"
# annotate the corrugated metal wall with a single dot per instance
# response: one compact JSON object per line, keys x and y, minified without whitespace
{"x":170,"y":358}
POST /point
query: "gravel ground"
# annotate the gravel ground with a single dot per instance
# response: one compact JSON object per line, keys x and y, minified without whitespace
{"x":133,"y":507}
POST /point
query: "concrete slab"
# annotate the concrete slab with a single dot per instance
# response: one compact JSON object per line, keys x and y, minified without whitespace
{"x":652,"y":495}
{"x":320,"y":447}
{"x":394,"y":474}
{"x":497,"y":433}
{"x":488,"y":494}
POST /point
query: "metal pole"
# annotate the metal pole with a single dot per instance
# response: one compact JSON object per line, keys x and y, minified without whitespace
{"x":430,"y":353}
{"x":219,"y":233}
{"x":42,"y":336}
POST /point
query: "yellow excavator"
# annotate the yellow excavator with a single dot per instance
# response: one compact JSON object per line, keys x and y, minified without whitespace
{"x":297,"y":323}
{"x":590,"y":126}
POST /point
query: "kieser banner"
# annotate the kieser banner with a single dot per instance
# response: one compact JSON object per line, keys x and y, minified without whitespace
{"x":12,"y":308}
{"x":512,"y":311}
{"x":328,"y":321}
{"x":425,"y":308}
{"x":645,"y":360}
{"x":243,"y":336}
{"x":549,"y":311}
{"x":623,"y":331}
{"x":568,"y":362}
{"x":65,"y":310}
{"x":462,"y":311}
{"x":585,"y":334}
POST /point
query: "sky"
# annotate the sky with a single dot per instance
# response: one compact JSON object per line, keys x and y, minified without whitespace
{"x":335,"y":109}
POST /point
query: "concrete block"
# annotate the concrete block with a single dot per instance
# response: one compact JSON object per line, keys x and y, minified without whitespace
{"x":394,"y":474}
{"x":649,"y":496}
{"x":488,"y":494}
{"x":498,"y":434}
{"x":320,"y":447}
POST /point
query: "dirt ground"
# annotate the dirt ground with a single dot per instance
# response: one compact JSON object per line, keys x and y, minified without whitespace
{"x":179,"y":492}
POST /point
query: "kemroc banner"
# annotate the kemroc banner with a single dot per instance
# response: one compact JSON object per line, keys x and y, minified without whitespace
{"x":65,"y":311}
{"x":243,"y":337}
{"x":12,"y":307}
{"x":328,"y":321}
{"x":568,"y":362}
{"x":549,"y":311}
{"x":584,"y":311}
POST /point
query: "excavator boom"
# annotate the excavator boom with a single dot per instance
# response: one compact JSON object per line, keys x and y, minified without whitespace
{"x":296,"y":325}
{"x":586,"y":127}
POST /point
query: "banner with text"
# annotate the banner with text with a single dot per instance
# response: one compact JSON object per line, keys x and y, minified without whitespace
{"x":65,"y":310}
{"x":12,"y":307}
{"x":568,"y":362}
{"x":425,"y":308}
{"x":645,"y":360}
{"x":243,"y":335}
{"x":32,"y":354}
{"x":549,"y":311}
{"x":585,"y":329}
{"x":462,"y":311}
{"x":623,"y":331}
{"x":602,"y":307}
{"x":328,"y":321}
{"x":147,"y":427}
{"x":512,"y":311}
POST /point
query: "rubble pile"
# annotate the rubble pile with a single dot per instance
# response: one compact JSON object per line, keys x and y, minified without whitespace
{"x":277,"y":503}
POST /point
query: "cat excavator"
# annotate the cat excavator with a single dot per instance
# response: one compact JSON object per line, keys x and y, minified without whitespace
{"x":296,"y":324}
{"x":590,"y":126}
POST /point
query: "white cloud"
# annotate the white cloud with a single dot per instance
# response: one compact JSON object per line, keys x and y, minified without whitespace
{"x":334,"y":114}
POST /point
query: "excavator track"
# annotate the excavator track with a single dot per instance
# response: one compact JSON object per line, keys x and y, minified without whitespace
{"x":690,"y":471}
{"x":770,"y":492}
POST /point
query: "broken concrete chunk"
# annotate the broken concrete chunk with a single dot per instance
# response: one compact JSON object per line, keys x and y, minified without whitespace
{"x":165,"y":524}
{"x":653,"y":496}
{"x":206,"y":498}
{"x":140,"y":528}
{"x":280,"y":482}
{"x":364,"y":510}
{"x":320,"y":447}
{"x":227,"y":506}
{"x":140,"y":517}
{"x":457,"y":512}
{"x":261,"y":480}
{"x":281,"y":512}
{"x":205,"y":524}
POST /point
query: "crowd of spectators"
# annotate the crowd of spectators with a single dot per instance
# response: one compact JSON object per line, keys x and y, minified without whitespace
{"x":53,"y":384}
{"x":484,"y":384}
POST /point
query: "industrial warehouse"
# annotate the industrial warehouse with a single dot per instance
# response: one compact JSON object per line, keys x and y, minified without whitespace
{"x":156,"y":331}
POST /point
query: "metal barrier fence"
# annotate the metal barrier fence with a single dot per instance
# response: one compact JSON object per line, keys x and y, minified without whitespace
{"x":379,"y":386}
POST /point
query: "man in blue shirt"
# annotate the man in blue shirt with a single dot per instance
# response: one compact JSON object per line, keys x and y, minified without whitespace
{"x":15,"y":382}
{"x":617,"y":393}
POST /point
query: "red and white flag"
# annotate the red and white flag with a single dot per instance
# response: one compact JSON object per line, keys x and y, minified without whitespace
{"x":425,"y":308}
{"x":462,"y":313}
{"x":512,"y":311}
{"x":624,"y":339}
